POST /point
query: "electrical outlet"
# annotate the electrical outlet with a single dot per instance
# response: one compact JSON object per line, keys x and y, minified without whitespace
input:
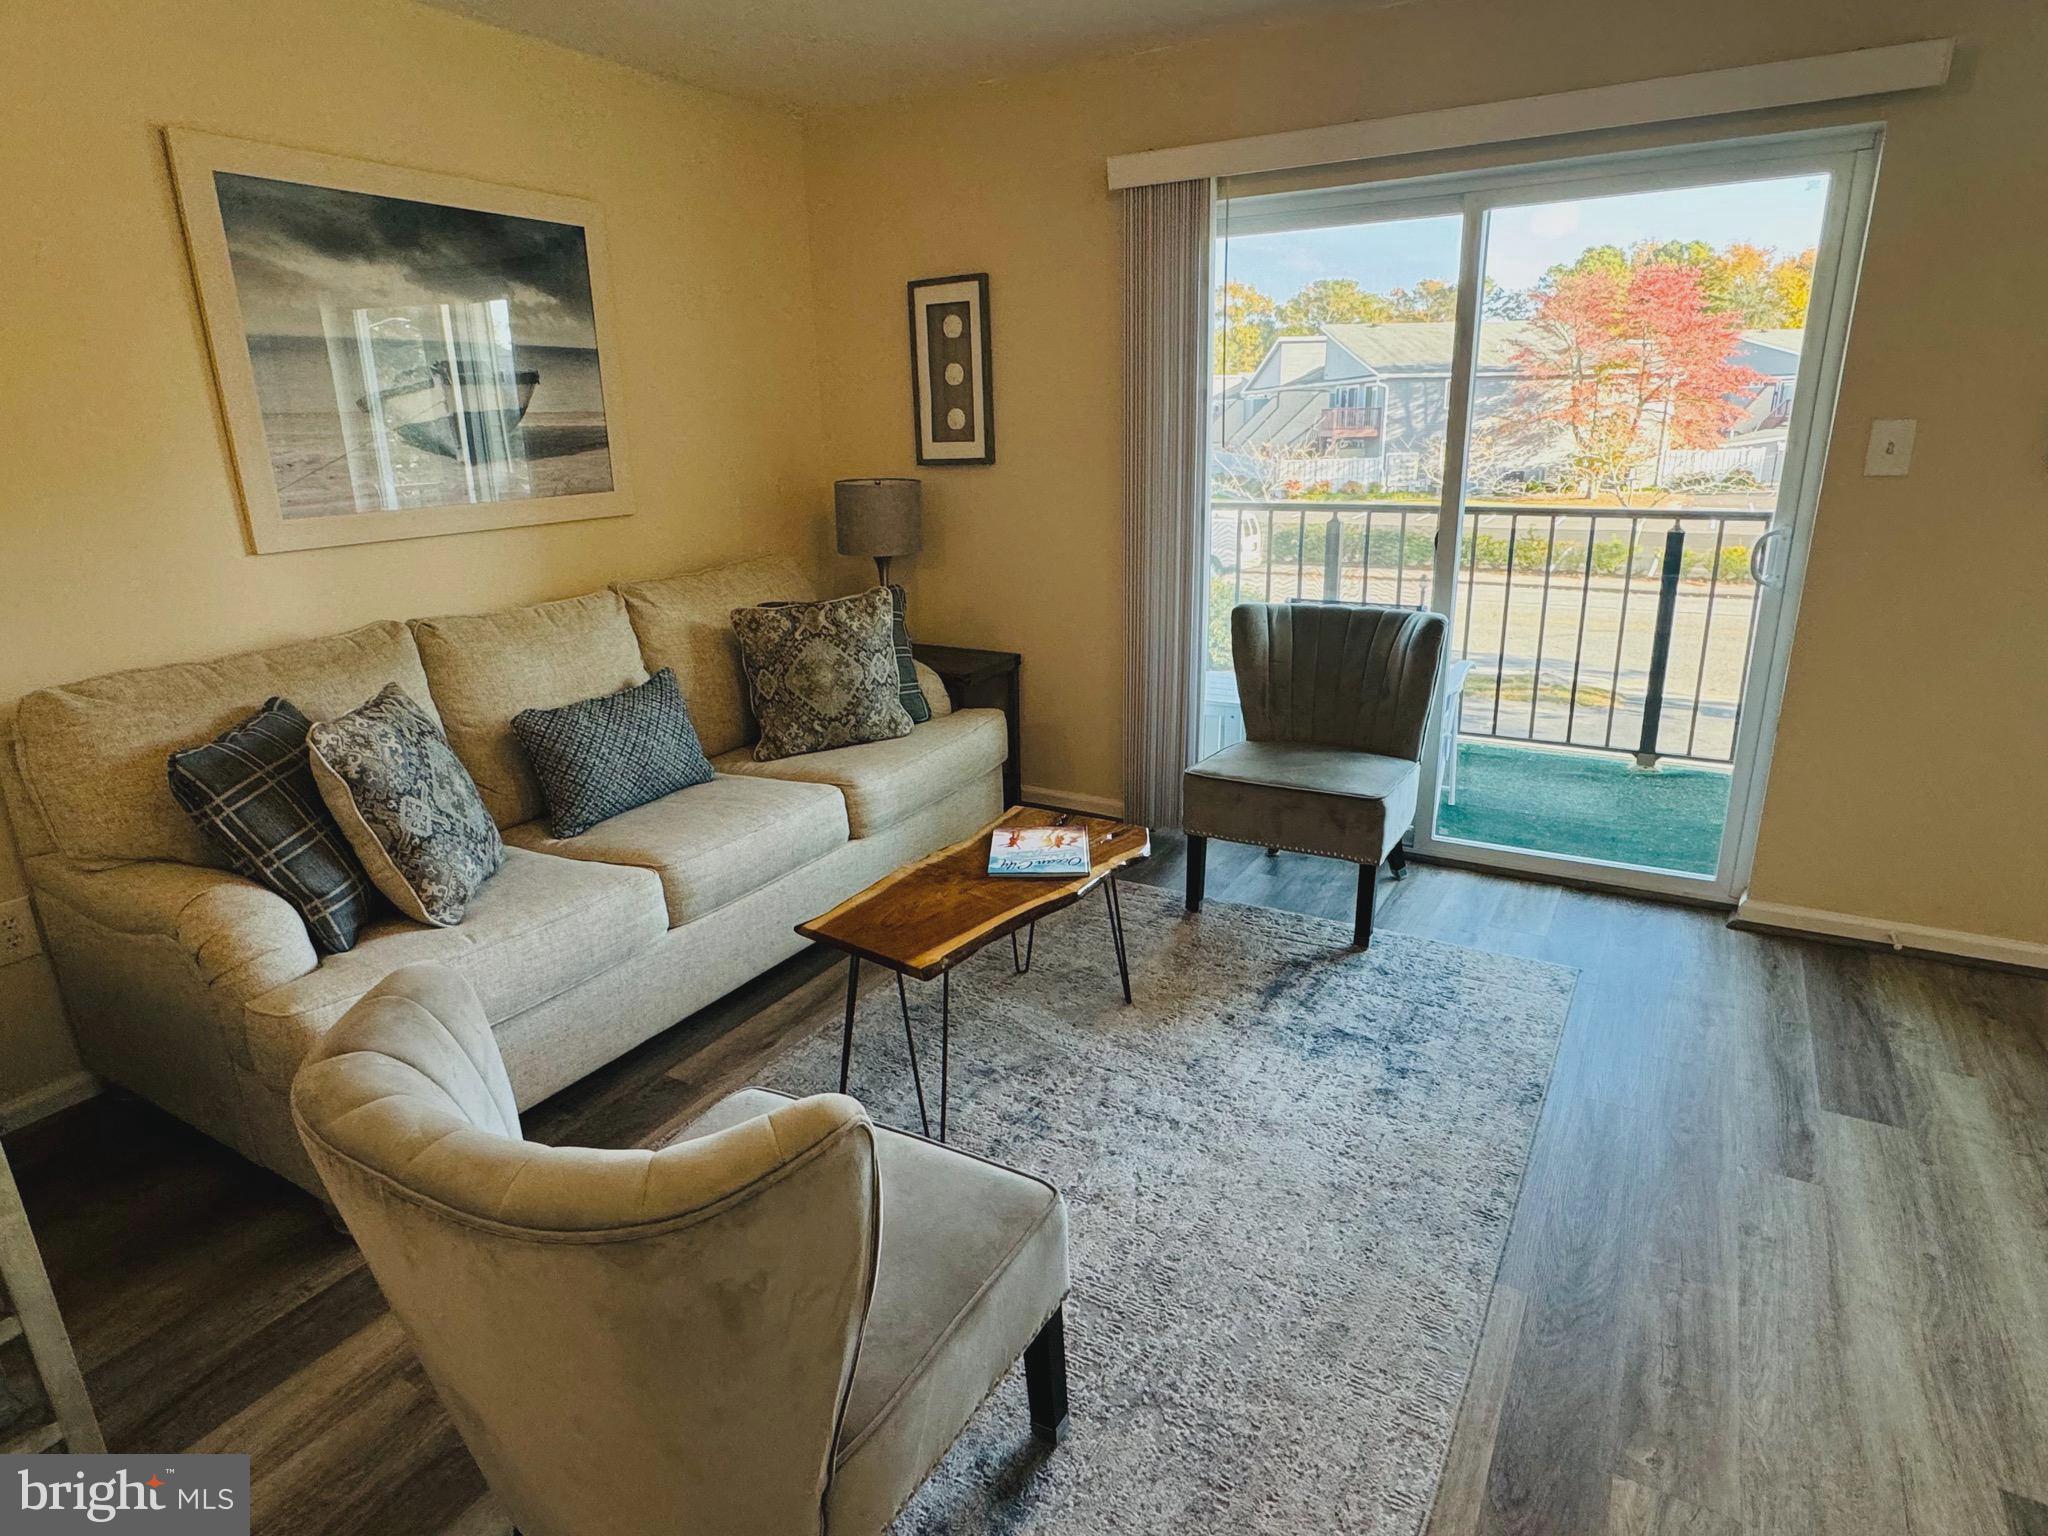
{"x":18,"y":937}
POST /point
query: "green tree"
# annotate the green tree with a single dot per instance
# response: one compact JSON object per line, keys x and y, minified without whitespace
{"x":1790,"y":284}
{"x":1332,"y":301}
{"x":1245,"y":327}
{"x":1430,"y":299}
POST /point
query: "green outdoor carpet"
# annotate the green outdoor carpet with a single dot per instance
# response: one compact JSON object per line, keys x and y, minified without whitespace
{"x":1589,"y":806}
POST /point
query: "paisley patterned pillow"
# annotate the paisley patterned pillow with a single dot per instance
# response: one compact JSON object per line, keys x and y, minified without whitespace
{"x":822,"y":674}
{"x":407,"y":806}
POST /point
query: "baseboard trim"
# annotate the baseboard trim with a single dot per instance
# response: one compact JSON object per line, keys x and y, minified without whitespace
{"x":40,"y":1103}
{"x":1071,"y":800}
{"x":1913,"y":938}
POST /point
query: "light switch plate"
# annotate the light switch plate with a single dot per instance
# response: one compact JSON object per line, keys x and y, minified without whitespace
{"x":1891,"y":448}
{"x":18,"y":937}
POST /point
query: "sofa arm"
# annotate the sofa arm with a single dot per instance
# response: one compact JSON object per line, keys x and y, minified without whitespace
{"x":934,"y":690}
{"x":242,"y":938}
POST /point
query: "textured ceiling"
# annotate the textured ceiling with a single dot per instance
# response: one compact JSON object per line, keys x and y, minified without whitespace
{"x":816,"y":53}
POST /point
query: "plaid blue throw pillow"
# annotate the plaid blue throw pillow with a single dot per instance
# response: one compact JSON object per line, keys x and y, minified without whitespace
{"x":911,"y":691}
{"x":251,"y":790}
{"x":602,"y":756}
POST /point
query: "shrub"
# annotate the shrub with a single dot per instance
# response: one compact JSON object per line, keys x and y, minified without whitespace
{"x":1222,"y":593}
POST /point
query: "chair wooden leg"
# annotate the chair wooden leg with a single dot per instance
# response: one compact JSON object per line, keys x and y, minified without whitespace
{"x":1397,"y":861}
{"x":1361,"y":928}
{"x":1198,"y":869}
{"x":1045,"y":1378}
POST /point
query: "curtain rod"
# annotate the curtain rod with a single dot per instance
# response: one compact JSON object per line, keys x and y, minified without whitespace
{"x":1675,"y":98}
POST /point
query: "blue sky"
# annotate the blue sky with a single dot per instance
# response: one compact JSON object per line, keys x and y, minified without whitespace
{"x":1525,"y":242}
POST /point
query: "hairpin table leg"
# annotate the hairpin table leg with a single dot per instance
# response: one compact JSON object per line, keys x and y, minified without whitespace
{"x":1116,"y":933}
{"x":852,"y":997}
{"x":1018,"y":966}
{"x":945,"y":1044}
{"x":910,"y":1039}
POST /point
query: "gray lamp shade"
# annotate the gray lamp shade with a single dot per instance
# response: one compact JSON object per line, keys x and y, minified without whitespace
{"x":879,"y":517}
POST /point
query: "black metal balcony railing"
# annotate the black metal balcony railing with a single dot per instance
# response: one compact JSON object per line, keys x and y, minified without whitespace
{"x":1606,"y":629}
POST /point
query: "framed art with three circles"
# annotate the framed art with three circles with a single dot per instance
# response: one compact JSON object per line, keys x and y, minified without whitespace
{"x":952,"y":395}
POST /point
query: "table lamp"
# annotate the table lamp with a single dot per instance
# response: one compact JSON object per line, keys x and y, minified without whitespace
{"x":881,"y":517}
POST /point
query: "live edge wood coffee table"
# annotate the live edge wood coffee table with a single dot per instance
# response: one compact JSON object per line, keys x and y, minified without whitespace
{"x":927,"y":917}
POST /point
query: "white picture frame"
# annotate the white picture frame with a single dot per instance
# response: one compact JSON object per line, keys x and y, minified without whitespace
{"x":464,"y":327}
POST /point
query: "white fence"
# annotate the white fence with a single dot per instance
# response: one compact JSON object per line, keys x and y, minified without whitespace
{"x":1261,"y":475}
{"x":1265,"y":475}
{"x":1765,"y":461}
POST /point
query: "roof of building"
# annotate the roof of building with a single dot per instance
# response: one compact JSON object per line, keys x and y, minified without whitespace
{"x":1786,"y":338}
{"x":1286,"y":418}
{"x":1424,"y":346}
{"x":1773,"y":352}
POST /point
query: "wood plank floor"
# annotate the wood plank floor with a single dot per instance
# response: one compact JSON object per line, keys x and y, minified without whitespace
{"x":1780,"y":1264}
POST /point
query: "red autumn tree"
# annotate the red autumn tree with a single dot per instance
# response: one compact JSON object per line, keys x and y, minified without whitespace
{"x":1625,"y":359}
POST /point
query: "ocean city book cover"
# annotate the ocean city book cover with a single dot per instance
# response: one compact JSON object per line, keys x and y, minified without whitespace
{"x":1038,"y":851}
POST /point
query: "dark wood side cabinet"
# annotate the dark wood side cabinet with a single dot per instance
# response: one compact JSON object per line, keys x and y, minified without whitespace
{"x":983,"y":680}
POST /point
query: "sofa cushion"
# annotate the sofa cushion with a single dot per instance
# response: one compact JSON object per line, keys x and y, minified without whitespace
{"x":885,"y":781}
{"x":935,"y":696}
{"x":92,"y":754}
{"x":486,"y":667}
{"x":973,"y":1262}
{"x":536,"y":929}
{"x":713,"y":843}
{"x":407,"y":806}
{"x":604,"y":756}
{"x":685,"y":622}
{"x":251,"y":790}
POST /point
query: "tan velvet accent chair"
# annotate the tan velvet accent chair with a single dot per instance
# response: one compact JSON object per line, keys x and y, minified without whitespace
{"x":1336,"y":700}
{"x":774,"y":1326}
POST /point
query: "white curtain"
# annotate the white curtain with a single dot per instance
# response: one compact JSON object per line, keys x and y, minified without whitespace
{"x":1166,"y":409}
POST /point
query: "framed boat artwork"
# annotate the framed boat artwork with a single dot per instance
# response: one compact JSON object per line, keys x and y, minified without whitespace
{"x":952,"y":394}
{"x":399,"y":353}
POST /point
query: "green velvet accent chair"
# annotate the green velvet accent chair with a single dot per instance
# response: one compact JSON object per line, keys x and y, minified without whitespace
{"x":773,"y":1326}
{"x":1336,"y":700}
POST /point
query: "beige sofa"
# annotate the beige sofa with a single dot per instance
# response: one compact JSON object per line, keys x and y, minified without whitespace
{"x":200,"y":990}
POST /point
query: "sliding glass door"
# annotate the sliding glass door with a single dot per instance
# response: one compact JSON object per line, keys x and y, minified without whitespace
{"x":1580,"y":410}
{"x":1326,"y":461}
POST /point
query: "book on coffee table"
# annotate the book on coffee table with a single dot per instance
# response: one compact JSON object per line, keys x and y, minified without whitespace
{"x":1058,"y":852}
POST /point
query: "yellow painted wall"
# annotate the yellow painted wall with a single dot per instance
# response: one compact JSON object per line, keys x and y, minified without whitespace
{"x":120,"y":539}
{"x":1915,"y":729}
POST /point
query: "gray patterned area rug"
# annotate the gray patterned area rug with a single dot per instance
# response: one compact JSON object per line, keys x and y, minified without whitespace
{"x":1290,"y":1170}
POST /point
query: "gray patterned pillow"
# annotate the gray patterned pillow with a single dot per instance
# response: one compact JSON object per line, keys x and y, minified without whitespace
{"x":822,"y":674}
{"x":407,"y":806}
{"x":602,"y":757}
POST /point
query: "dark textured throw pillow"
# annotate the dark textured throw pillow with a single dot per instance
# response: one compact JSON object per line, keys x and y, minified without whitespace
{"x":407,"y":806}
{"x":251,"y":790}
{"x":822,"y":674}
{"x":602,"y":756}
{"x":915,"y":704}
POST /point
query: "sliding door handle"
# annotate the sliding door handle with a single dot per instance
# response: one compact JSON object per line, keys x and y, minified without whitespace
{"x":1757,"y":570}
